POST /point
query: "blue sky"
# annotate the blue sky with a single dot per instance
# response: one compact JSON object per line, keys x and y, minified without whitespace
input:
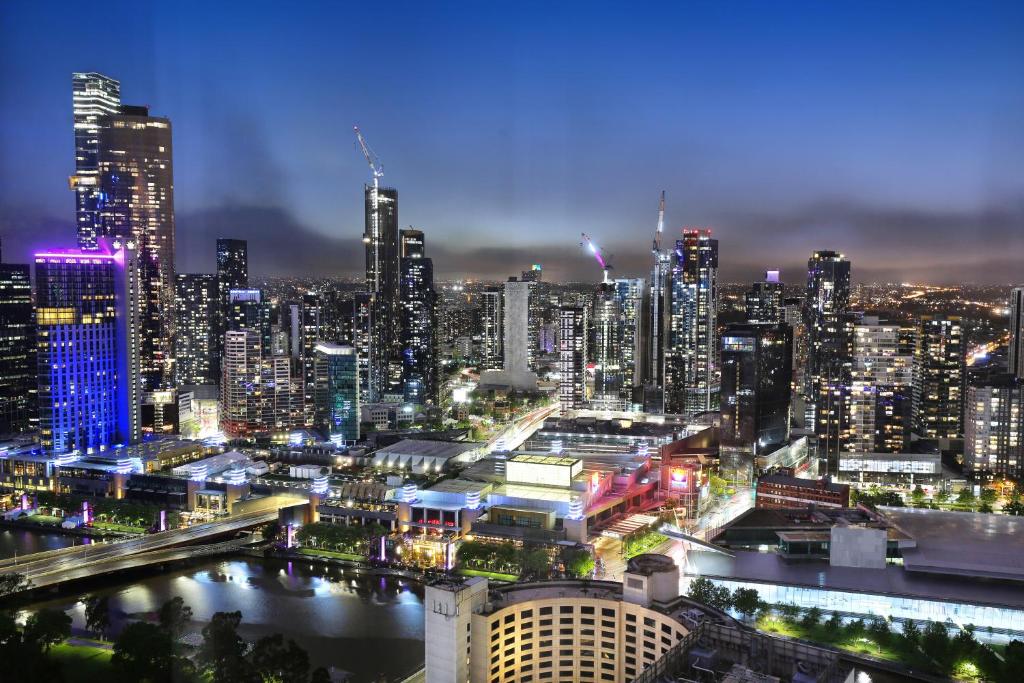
{"x":893,"y":132}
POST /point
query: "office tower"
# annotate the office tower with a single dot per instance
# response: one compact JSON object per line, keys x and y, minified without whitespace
{"x":136,"y":202}
{"x":630,"y":295}
{"x":232,"y":273}
{"x":517,"y":346}
{"x":882,"y":378}
{"x":382,"y":280}
{"x":533,"y":274}
{"x":362,"y":337}
{"x":691,"y":357}
{"x":281,"y":392}
{"x":492,"y":321}
{"x":1016,"y":350}
{"x":198,"y":313}
{"x":95,"y":97}
{"x":994,"y":427}
{"x":337,"y":390}
{"x":572,"y":357}
{"x":659,"y":308}
{"x":757,"y":368}
{"x":763,"y":302}
{"x":306,"y":327}
{"x":248,"y":309}
{"x":258,"y":393}
{"x":607,"y":348}
{"x":418,"y":317}
{"x":827,"y":375}
{"x":18,"y":402}
{"x":939,"y":371}
{"x":87,"y":317}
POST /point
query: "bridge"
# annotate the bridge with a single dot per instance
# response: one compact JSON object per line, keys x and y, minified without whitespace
{"x":81,"y":561}
{"x":516,"y":434}
{"x":672,"y":531}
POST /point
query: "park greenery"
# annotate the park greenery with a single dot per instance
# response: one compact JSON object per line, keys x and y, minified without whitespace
{"x":929,"y":647}
{"x":505,"y":558}
{"x":356,"y":540}
{"x":642,"y":543}
{"x":964,"y":501}
{"x":147,"y":652}
{"x":108,"y":513}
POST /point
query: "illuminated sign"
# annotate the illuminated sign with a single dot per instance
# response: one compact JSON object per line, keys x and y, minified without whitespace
{"x":679,"y":479}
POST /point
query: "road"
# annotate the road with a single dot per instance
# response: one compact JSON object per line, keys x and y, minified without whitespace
{"x":516,"y":433}
{"x":66,"y":559}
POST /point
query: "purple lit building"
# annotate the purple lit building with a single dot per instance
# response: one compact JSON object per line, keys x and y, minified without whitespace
{"x":88,"y":347}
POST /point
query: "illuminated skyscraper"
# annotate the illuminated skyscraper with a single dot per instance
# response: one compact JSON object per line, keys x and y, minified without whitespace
{"x":136,"y":202}
{"x":418,"y":320}
{"x":883,"y":357}
{"x":994,"y":427}
{"x":198,"y":313}
{"x":88,"y":330}
{"x":630,"y":295}
{"x":827,"y":375}
{"x":1016,"y":351}
{"x":572,"y":357}
{"x":232,"y":273}
{"x":939,"y":372}
{"x":691,"y":357}
{"x":248,"y":309}
{"x":18,"y":402}
{"x":659,"y":309}
{"x":337,"y":390}
{"x":492,"y":328}
{"x":95,"y":97}
{"x":382,"y":280}
{"x":608,"y":346}
{"x":763,"y":302}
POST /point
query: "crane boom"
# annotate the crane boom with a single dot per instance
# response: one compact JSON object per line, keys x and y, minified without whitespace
{"x":376,"y":168}
{"x":596,"y":251}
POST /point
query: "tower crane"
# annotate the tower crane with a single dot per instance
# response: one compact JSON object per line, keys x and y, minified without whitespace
{"x":376,"y":168}
{"x":596,"y":251}
{"x":661,"y":224}
{"x":371,"y":234}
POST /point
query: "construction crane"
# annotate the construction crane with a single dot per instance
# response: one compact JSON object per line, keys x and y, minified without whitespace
{"x":371,"y":234}
{"x":661,"y":224}
{"x":596,"y":251}
{"x":376,"y":168}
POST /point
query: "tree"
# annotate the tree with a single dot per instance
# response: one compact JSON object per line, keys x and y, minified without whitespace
{"x":834,"y":625}
{"x":222,"y":652}
{"x":320,"y":675}
{"x":746,"y":601}
{"x":942,"y":497}
{"x":917,"y":495}
{"x":97,"y":614}
{"x":280,"y":661}
{"x":13,"y":583}
{"x":173,"y":616}
{"x":911,"y":632}
{"x":271,"y":530}
{"x":788,"y":610}
{"x":1015,"y":508}
{"x":535,"y":561}
{"x":143,"y":652}
{"x":965,"y":497}
{"x":811,"y":618}
{"x":989,"y":496}
{"x":578,"y":562}
{"x":879,"y":630}
{"x":706,"y":592}
{"x":47,"y":627}
{"x":985,"y":507}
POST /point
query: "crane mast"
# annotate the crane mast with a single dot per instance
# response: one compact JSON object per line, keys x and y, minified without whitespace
{"x":596,"y":251}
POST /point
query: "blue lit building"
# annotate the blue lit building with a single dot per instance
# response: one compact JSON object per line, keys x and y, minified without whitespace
{"x":337,"y":390}
{"x":417,"y":309}
{"x":88,"y":339}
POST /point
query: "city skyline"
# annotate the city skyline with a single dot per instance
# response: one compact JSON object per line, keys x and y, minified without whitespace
{"x":856,"y":152}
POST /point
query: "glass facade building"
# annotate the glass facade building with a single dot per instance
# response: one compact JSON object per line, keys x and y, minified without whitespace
{"x":418,"y":318}
{"x":94,"y":98}
{"x":18,"y":403}
{"x":337,"y":390}
{"x":197,"y":313}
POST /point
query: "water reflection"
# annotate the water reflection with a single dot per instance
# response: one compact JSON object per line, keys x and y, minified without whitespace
{"x":24,"y":542}
{"x":366,"y":625}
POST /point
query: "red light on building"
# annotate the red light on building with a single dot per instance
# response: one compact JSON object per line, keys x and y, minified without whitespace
{"x":680,"y":479}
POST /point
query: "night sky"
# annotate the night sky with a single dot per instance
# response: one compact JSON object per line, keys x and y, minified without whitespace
{"x":891,"y":131}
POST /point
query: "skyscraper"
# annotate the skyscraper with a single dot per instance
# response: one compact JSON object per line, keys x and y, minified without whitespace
{"x":880,"y":393}
{"x":18,"y":404}
{"x":519,"y":351}
{"x":939,"y":372}
{"x":90,"y":393}
{"x":418,"y":317}
{"x":94,"y":98}
{"x":241,"y":411}
{"x":1016,"y":351}
{"x":492,"y":321}
{"x":763,"y":302}
{"x":232,"y":273}
{"x":630,"y":293}
{"x":337,"y":390}
{"x":382,"y":280}
{"x":756,"y":373}
{"x":248,"y":309}
{"x":572,"y":357}
{"x":994,"y":427}
{"x":827,"y":376}
{"x":608,"y":346}
{"x":659,"y":309}
{"x":198,"y":313}
{"x":136,"y":202}
{"x":691,"y":356}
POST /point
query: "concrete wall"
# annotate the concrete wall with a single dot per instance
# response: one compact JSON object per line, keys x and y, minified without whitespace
{"x":853,"y":546}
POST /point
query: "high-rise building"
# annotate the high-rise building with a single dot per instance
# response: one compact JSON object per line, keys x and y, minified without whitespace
{"x":939,"y":372}
{"x":659,"y":331}
{"x":258,"y":392}
{"x":136,"y":202}
{"x":95,"y":97}
{"x":337,"y":390}
{"x":492,"y":322}
{"x":534,"y":274}
{"x":763,"y":302}
{"x":827,"y":375}
{"x":418,"y":317}
{"x":994,"y":427}
{"x":691,"y":357}
{"x":607,"y":346}
{"x":306,"y":333}
{"x":1016,"y":350}
{"x":883,"y":358}
{"x":18,"y":403}
{"x":517,"y":345}
{"x":248,"y":309}
{"x":572,"y":357}
{"x":382,"y":280}
{"x":88,"y":330}
{"x":195,"y":344}
{"x":362,"y":336}
{"x":630,"y":295}
{"x":232,"y":273}
{"x":756,"y":374}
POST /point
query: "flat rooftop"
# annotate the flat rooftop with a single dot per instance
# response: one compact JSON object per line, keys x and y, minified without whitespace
{"x":538,"y":459}
{"x":974,"y":544}
{"x":425,"y":448}
{"x":893,"y":580}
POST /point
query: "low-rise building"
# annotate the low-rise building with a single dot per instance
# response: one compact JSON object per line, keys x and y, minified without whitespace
{"x":786,"y":491}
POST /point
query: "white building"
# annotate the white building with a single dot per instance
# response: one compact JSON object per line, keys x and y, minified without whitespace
{"x":518,"y":347}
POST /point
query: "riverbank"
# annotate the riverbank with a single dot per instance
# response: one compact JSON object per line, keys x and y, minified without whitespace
{"x":97,"y":532}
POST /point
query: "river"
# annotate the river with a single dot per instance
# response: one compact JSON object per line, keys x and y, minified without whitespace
{"x":26,"y":541}
{"x":369,"y":626}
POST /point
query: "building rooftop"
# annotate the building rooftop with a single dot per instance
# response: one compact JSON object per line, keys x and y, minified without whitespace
{"x":786,"y":480}
{"x":425,"y":448}
{"x":537,"y":459}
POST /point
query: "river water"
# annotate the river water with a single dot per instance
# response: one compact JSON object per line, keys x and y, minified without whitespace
{"x":371,"y":627}
{"x":25,"y":541}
